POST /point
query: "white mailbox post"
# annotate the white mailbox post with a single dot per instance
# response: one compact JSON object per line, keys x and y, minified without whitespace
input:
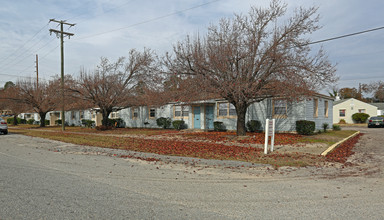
{"x":269,"y":131}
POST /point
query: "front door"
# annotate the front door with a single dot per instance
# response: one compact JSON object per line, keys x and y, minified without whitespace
{"x":209,"y":117}
{"x":196,"y":118}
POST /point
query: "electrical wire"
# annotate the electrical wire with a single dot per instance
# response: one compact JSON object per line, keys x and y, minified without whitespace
{"x":343,"y":36}
{"x":6,"y":58}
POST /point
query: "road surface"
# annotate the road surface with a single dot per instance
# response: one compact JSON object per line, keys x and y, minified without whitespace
{"x":42,"y":179}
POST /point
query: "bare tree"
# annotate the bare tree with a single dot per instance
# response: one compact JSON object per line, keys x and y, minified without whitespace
{"x":9,"y":101}
{"x":41,"y":98}
{"x":115,"y":84}
{"x":252,"y":57}
{"x":377,"y":88}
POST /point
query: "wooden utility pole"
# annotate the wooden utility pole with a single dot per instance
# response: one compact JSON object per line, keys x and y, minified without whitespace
{"x":37,"y":71}
{"x":61,"y":34}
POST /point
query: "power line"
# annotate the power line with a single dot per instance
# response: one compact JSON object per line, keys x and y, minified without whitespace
{"x":150,"y":20}
{"x":343,"y":36}
{"x":6,"y":58}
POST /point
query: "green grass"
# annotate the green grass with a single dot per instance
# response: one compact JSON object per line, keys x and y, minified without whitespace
{"x":329,"y":137}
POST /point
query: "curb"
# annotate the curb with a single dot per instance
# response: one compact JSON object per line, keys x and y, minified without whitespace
{"x":338,"y":143}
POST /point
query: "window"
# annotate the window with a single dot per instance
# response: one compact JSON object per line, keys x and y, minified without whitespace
{"x":226,"y":109}
{"x":326,"y":109}
{"x":342,"y":112}
{"x":315,"y":107}
{"x":280,"y":108}
{"x":152,"y":113}
{"x":81,"y":115}
{"x":180,"y":111}
{"x":73,"y":115}
{"x":135,"y":113}
{"x":361,"y":110}
{"x":115,"y":115}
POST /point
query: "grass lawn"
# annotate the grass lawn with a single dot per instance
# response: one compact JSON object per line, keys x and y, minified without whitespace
{"x":207,"y":145}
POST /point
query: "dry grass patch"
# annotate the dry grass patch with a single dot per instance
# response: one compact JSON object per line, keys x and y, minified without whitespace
{"x":189,"y":146}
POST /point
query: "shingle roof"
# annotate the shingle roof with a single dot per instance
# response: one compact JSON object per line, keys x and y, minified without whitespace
{"x":340,"y":101}
{"x":379,"y":105}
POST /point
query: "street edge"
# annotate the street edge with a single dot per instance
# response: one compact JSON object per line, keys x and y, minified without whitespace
{"x":338,"y":143}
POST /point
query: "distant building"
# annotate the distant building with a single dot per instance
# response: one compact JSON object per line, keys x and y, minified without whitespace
{"x":380,"y":108}
{"x":344,"y":109}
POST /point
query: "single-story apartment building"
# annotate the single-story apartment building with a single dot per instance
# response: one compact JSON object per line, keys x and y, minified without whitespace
{"x":202,"y":114}
{"x":344,"y":109}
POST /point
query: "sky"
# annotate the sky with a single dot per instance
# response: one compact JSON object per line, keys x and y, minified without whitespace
{"x":110,"y":28}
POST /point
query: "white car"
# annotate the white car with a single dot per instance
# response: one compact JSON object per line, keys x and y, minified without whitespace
{"x":3,"y":126}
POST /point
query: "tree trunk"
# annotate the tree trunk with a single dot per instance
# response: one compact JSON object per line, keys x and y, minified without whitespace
{"x":105,"y":113}
{"x":15,"y":119}
{"x":241,"y":110}
{"x":42,"y":119}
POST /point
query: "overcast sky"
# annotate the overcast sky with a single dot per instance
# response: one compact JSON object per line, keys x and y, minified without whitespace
{"x":110,"y":28}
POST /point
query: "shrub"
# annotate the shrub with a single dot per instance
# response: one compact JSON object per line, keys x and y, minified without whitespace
{"x":253,"y":125}
{"x":325,"y":126}
{"x":87,"y":123}
{"x":117,"y":122}
{"x":163,"y":122}
{"x":360,"y":117}
{"x":31,"y":121}
{"x":342,"y":121}
{"x":58,"y":122}
{"x":10,"y":120}
{"x":178,"y":124}
{"x":46,"y":122}
{"x":218,"y":126}
{"x":304,"y":127}
{"x":336,"y":127}
{"x":21,"y":121}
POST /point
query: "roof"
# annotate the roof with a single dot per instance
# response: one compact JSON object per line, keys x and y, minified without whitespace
{"x":344,"y":100}
{"x":340,"y":101}
{"x":379,"y":105}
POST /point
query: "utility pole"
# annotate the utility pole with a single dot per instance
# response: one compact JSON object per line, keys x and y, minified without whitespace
{"x":61,"y":34}
{"x":37,"y":71}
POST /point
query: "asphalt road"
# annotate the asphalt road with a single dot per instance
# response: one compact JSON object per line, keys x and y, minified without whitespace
{"x":41,"y":179}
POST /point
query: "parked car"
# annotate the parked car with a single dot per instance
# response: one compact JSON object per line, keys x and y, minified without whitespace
{"x":3,"y":126}
{"x":375,"y":122}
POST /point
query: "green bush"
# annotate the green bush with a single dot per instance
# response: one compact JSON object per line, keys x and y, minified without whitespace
{"x":336,"y":127}
{"x":87,"y":123}
{"x":304,"y":127}
{"x":46,"y":122}
{"x":178,"y":124}
{"x":30,"y":121}
{"x":118,"y":122}
{"x":58,"y":122}
{"x":163,"y":122}
{"x":19,"y":121}
{"x":10,"y":120}
{"x":360,"y":117}
{"x":218,"y":126}
{"x":325,"y":126}
{"x":342,"y":121}
{"x":253,"y":125}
